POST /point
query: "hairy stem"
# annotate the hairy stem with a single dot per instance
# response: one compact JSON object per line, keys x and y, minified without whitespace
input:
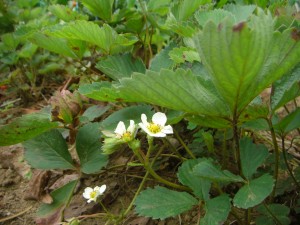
{"x":184,"y":145}
{"x":276,"y":153}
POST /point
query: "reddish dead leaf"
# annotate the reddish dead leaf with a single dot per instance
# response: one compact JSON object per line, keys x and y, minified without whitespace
{"x":67,"y":178}
{"x":52,"y":219}
{"x":36,"y":187}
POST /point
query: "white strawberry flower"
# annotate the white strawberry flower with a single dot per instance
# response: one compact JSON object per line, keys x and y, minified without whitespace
{"x":92,"y":194}
{"x":123,"y":133}
{"x":156,"y":128}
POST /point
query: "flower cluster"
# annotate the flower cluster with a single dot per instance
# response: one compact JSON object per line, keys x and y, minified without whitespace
{"x":154,"y":128}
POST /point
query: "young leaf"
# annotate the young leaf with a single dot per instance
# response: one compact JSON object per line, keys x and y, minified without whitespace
{"x":25,"y":127}
{"x":182,"y":54}
{"x":119,"y":66}
{"x":161,"y":203}
{"x":252,"y":156}
{"x":254,"y":192}
{"x":52,"y":213}
{"x":281,"y":213}
{"x":216,"y":210}
{"x":48,"y":151}
{"x":88,"y":147}
{"x":186,"y":176}
{"x":207,"y":170}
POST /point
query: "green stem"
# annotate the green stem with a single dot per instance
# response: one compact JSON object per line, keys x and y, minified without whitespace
{"x":136,"y":194}
{"x":247,"y":216}
{"x":225,"y":154}
{"x":173,"y":148}
{"x":287,"y":164}
{"x":148,"y":167}
{"x":236,"y":137}
{"x":276,"y":152}
{"x":184,"y":145}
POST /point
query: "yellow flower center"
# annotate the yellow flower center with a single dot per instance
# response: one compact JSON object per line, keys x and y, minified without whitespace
{"x":154,"y":128}
{"x":127,"y":136}
{"x":93,"y":194}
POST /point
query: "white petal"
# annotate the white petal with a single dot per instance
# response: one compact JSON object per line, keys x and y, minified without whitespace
{"x":87,"y":192}
{"x":121,"y":129}
{"x":159,"y":118}
{"x":160,"y":134}
{"x":144,"y":119}
{"x":88,"y":201}
{"x":143,"y":126}
{"x":102,"y":189}
{"x":131,"y":127}
{"x":168,"y":130}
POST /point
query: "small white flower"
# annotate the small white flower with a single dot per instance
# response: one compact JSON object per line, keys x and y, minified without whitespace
{"x":92,"y":194}
{"x":123,"y":133}
{"x":157,"y":127}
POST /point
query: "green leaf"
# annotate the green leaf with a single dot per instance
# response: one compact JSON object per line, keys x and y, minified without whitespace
{"x":28,"y":50}
{"x":182,"y":10}
{"x":48,"y":151}
{"x":246,"y":58}
{"x":100,"y":91}
{"x":281,"y":213}
{"x":216,"y":16}
{"x":286,"y":89}
{"x":162,"y":60}
{"x":88,"y":147}
{"x":207,"y":170}
{"x":257,"y":124}
{"x":183,"y":28}
{"x":126,"y":114}
{"x":240,"y":12}
{"x":209,"y":121}
{"x":161,"y":203}
{"x":289,"y":123}
{"x":216,"y":210}
{"x":106,"y":38}
{"x":119,"y":66}
{"x":93,"y":112}
{"x":65,"y":13}
{"x":25,"y":127}
{"x":254,"y":192}
{"x":100,"y":8}
{"x":252,"y":156}
{"x":54,"y":212}
{"x":186,"y":176}
{"x":61,"y":46}
{"x":180,"y":90}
